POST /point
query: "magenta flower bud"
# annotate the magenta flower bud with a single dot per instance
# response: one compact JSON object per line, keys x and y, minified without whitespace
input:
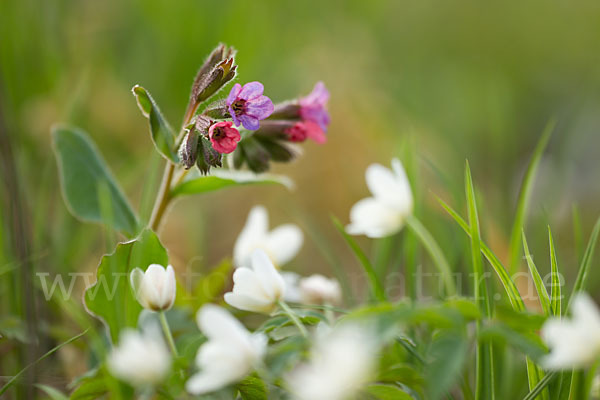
{"x":300,"y":131}
{"x":224,"y":137}
{"x":313,"y":107}
{"x":247,"y":105}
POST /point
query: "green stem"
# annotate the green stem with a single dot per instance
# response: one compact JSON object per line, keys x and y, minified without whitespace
{"x":167,"y":331}
{"x":290,"y":313}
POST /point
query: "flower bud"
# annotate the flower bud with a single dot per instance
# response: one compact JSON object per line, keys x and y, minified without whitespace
{"x":317,"y":289}
{"x":188,"y":151}
{"x":154,"y":289}
{"x":208,"y":156}
{"x":217,"y":70}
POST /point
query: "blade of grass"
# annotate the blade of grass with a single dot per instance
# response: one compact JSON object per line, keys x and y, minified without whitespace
{"x":509,"y":286}
{"x":49,"y":353}
{"x":555,"y":289}
{"x":525,"y":196}
{"x":484,"y":374}
{"x":542,"y":384}
{"x":577,"y":233}
{"x":434,"y":251}
{"x":586,"y":261}
{"x":376,"y":286}
{"x":537,"y":279}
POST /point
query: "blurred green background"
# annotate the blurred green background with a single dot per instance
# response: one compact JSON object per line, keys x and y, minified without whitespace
{"x":448,"y":81}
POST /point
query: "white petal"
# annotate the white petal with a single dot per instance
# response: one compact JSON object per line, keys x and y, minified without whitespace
{"x":251,"y":235}
{"x":390,"y":187}
{"x":169,"y":288}
{"x":267,"y":275}
{"x":245,"y":281}
{"x":217,"y":323}
{"x":284,"y":242}
{"x":374,"y":219}
{"x":205,"y":382}
{"x":247,"y":303}
{"x":292,"y":292}
{"x":136,"y":277}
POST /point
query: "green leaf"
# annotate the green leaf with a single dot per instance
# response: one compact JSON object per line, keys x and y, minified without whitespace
{"x":435,"y":252}
{"x":376,"y":286}
{"x":555,"y":289}
{"x":252,"y":388}
{"x":386,"y":392}
{"x":82,"y":173}
{"x":586,"y":262}
{"x":540,"y":386}
{"x":525,"y":196}
{"x":111,"y":298}
{"x":221,"y":180}
{"x":52,"y":393}
{"x":484,"y":376}
{"x":537,"y":279}
{"x":160,"y":130}
{"x":210,"y":286}
{"x":448,"y":354}
{"x":509,"y":285}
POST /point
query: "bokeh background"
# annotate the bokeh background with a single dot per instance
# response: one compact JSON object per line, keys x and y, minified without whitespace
{"x":438,"y":82}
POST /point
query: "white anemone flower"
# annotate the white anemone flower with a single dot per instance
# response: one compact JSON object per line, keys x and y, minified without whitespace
{"x":229,"y":354}
{"x":341,"y":363}
{"x":259,"y":288}
{"x":155,"y":288}
{"x":281,"y":244}
{"x":575,"y":342}
{"x":317,"y":289}
{"x":386,"y":211}
{"x":141,"y":359}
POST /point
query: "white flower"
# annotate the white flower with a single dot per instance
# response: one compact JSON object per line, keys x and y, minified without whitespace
{"x":385,"y":213}
{"x":317,"y":289}
{"x":281,"y":244}
{"x":257,"y":289}
{"x":228,"y":355}
{"x":140,"y":358}
{"x":341,"y":363}
{"x":574,"y":343}
{"x":292,"y":291}
{"x":155,"y":289}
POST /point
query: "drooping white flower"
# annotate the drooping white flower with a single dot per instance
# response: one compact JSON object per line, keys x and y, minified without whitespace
{"x":341,"y":363}
{"x":258,"y":288}
{"x":575,"y":342}
{"x":228,"y":355}
{"x":154,"y":289}
{"x":385,"y":212}
{"x":317,"y":289}
{"x":281,"y":244}
{"x":140,"y":359}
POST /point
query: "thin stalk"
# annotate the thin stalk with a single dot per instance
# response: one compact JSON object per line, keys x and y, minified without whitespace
{"x":290,"y":313}
{"x":163,"y":198}
{"x":167,"y":332}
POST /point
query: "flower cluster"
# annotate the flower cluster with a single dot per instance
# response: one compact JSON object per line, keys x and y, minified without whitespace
{"x":270,"y":129}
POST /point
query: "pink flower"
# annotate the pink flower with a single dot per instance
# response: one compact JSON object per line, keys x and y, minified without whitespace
{"x":300,"y":131}
{"x":223,"y":137}
{"x":313,"y":107}
{"x":247,"y":105}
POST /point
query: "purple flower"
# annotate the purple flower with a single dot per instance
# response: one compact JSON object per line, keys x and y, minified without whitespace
{"x":247,"y":105}
{"x":313,"y":106}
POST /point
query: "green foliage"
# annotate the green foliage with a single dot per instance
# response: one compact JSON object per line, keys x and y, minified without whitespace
{"x":586,"y":262}
{"x":111,"y":298}
{"x":252,"y":388}
{"x":537,"y":280}
{"x":386,"y":392}
{"x":86,"y":181}
{"x":204,"y":184}
{"x":161,"y":132}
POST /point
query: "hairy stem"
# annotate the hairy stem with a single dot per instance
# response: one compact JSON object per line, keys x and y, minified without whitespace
{"x":167,"y":332}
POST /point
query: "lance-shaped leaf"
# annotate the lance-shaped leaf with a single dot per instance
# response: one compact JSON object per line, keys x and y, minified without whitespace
{"x":111,"y":299}
{"x":161,"y":132}
{"x":83,"y":173}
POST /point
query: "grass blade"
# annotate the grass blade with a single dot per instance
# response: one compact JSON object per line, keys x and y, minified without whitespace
{"x":484,"y":375}
{"x":509,"y":286}
{"x":545,"y":381}
{"x":525,"y":196}
{"x":586,"y":261}
{"x":537,"y":279}
{"x":555,"y":289}
{"x":435,"y":252}
{"x":48,"y":354}
{"x":376,"y":286}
